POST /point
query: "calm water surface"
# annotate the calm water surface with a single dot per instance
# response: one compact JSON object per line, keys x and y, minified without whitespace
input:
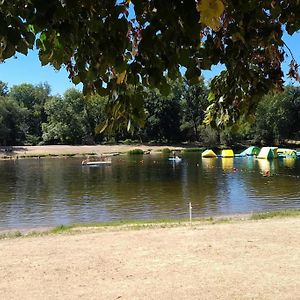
{"x":48,"y":192}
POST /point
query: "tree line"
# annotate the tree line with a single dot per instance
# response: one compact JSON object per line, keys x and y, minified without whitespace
{"x":30,"y":115}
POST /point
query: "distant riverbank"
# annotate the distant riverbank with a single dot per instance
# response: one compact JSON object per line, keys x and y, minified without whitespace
{"x":67,"y":150}
{"x":15,"y":152}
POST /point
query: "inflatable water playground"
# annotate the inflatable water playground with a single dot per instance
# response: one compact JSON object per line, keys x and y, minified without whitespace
{"x":209,"y":154}
{"x":260,"y":153}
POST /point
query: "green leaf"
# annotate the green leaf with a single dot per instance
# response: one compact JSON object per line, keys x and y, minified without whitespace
{"x":9,"y":51}
{"x":22,"y":47}
{"x":76,"y":79}
{"x":210,"y":13}
{"x":193,"y":75}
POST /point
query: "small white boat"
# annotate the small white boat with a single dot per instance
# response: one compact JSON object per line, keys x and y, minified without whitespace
{"x":95,"y":163}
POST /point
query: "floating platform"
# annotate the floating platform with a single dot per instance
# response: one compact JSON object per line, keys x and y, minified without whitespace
{"x":284,"y":152}
{"x":268,"y":153}
{"x":251,"y":151}
{"x":96,"y":163}
{"x":209,"y":153}
{"x":227,"y":153}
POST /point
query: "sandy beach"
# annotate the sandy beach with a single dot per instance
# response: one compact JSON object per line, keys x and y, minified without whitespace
{"x":63,"y":150}
{"x":239,"y":260}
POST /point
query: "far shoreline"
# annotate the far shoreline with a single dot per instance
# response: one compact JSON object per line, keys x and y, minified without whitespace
{"x":16,"y":152}
{"x":63,"y":151}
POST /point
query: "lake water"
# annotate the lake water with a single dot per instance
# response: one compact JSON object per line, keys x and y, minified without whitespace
{"x":49,"y":192}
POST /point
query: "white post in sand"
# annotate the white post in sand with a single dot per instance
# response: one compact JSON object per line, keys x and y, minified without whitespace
{"x":190,"y":210}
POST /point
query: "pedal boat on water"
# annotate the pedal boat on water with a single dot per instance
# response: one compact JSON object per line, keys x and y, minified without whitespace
{"x":96,"y":163}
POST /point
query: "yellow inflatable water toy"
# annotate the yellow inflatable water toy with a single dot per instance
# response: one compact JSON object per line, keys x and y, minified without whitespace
{"x":227,"y":153}
{"x":287,"y":152}
{"x":209,"y":153}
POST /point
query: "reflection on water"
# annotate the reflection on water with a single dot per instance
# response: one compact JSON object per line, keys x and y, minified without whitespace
{"x":289,"y":162}
{"x":48,"y":192}
{"x":265,"y":165}
{"x":227,"y":163}
{"x":209,"y":162}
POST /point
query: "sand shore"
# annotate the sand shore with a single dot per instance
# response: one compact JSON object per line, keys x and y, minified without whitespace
{"x":57,"y":150}
{"x":239,"y":260}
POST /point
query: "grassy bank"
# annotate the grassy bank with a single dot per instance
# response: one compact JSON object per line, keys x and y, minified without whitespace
{"x":141,"y":224}
{"x":276,"y":214}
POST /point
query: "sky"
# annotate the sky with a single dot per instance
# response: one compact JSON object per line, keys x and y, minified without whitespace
{"x":28,"y":69}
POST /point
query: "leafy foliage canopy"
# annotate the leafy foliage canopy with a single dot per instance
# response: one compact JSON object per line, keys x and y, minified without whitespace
{"x":118,"y":48}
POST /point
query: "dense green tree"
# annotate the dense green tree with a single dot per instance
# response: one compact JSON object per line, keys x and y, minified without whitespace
{"x":194,"y":104}
{"x":209,"y":136}
{"x":66,"y":122}
{"x":95,"y":115}
{"x":111,"y":45}
{"x":278,"y":116}
{"x":12,"y":122}
{"x":33,"y":99}
{"x":73,"y":119}
{"x":163,"y":116}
